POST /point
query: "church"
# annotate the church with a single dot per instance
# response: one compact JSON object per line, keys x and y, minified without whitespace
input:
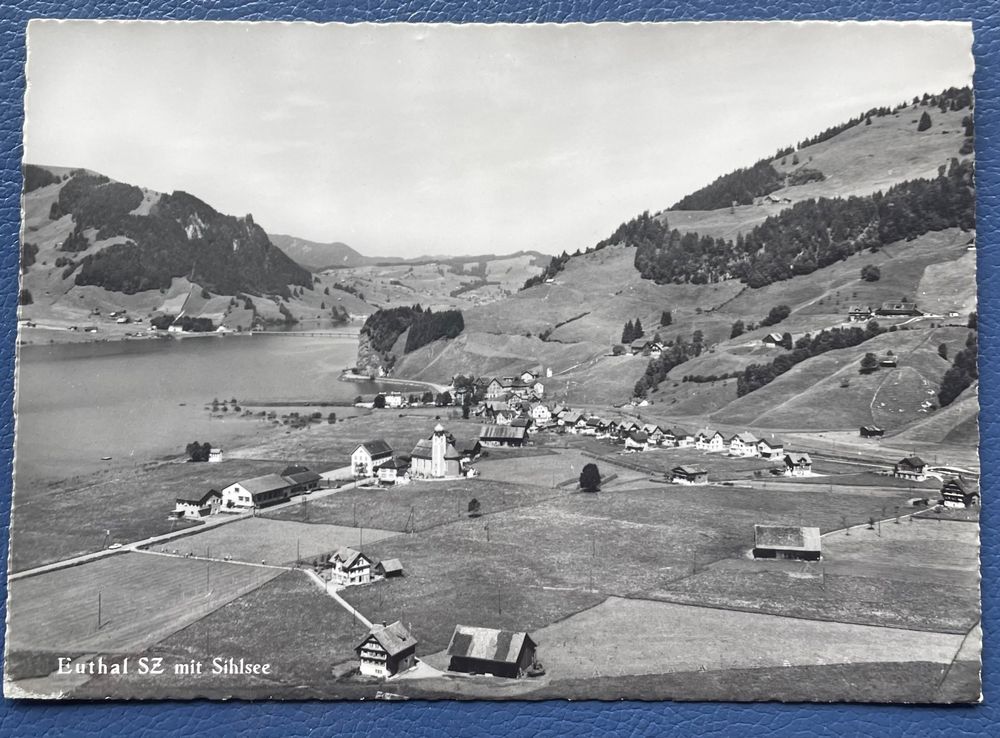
{"x":436,"y":457}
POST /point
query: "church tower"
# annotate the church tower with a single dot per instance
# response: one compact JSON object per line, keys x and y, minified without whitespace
{"x":439,"y":446}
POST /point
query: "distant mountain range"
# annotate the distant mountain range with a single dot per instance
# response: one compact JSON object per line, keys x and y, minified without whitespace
{"x":319,"y":256}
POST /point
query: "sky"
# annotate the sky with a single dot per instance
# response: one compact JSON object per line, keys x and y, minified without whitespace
{"x":403,"y":140}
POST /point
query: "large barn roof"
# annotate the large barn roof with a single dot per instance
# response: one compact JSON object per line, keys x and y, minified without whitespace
{"x":786,"y":537}
{"x":502,"y":432}
{"x":487,"y":644}
{"x":376,"y":447}
{"x":265,"y":483}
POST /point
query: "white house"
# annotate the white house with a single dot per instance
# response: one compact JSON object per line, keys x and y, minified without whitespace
{"x":207,"y":504}
{"x":709,"y":440}
{"x":797,"y":464}
{"x":393,"y":471}
{"x":394,"y":400}
{"x":541,"y":414}
{"x":744,"y":444}
{"x":386,"y":651}
{"x":350,"y":567}
{"x":256,"y":492}
{"x":369,"y":456}
{"x":636,"y":441}
{"x":215,"y":455}
{"x":770,"y":449}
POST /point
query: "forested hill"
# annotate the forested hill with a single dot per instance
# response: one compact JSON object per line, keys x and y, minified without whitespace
{"x":126,"y":239}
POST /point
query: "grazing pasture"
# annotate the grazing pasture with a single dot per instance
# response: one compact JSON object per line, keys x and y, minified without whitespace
{"x":278,"y":542}
{"x":143,"y":599}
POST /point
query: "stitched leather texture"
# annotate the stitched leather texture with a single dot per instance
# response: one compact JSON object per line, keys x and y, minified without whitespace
{"x":429,"y":719}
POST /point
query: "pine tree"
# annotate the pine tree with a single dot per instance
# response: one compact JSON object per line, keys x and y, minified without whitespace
{"x":638,"y":332}
{"x":628,"y":333}
{"x":666,"y":318}
{"x":925,"y":122}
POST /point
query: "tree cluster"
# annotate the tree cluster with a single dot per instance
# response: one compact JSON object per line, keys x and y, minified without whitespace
{"x":632,"y":331}
{"x":777,"y":314}
{"x":180,"y":237}
{"x":556,"y":265}
{"x":429,"y":326}
{"x":36,"y":177}
{"x":871,"y":273}
{"x":742,"y":186}
{"x":384,"y":327}
{"x":674,"y":354}
{"x":963,"y":371}
{"x":28,"y":253}
{"x":756,"y":376}
{"x":198,"y":451}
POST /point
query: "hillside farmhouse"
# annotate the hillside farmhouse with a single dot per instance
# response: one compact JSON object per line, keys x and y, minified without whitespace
{"x":797,"y":464}
{"x":502,"y":435}
{"x":888,"y":362}
{"x":214,"y":455}
{"x":677,"y":436}
{"x":912,"y":467}
{"x":201,"y":507}
{"x":959,"y":492}
{"x":370,"y":455}
{"x":688,"y":475}
{"x":501,"y":653}
{"x":786,"y":542}
{"x":387,"y":650}
{"x":436,"y":457}
{"x":871,"y":431}
{"x":350,"y":567}
{"x":654,"y":433}
{"x":860,"y":313}
{"x":771,"y":339}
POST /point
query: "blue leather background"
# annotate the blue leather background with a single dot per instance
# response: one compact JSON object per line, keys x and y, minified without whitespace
{"x":546,"y":718}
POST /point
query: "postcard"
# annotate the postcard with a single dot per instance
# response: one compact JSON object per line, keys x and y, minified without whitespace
{"x":503,"y":362}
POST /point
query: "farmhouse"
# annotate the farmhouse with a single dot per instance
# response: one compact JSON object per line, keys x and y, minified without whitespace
{"x":959,"y":492}
{"x":744,"y":444}
{"x":389,"y":568}
{"x":370,"y":455}
{"x":772,"y":339}
{"x":394,"y":400}
{"x":894,"y":309}
{"x":709,"y":440}
{"x":393,"y":471}
{"x":652,"y":430}
{"x":797,"y":464}
{"x":871,"y":431}
{"x":488,"y":651}
{"x":350,"y":567}
{"x":387,"y":650}
{"x":568,"y":419}
{"x":912,"y":467}
{"x":495,"y":389}
{"x":260,"y":491}
{"x":436,"y":457}
{"x":301,"y":479}
{"x":770,"y":449}
{"x":859,"y":313}
{"x":887,"y":361}
{"x":500,"y":435}
{"x":504,"y":417}
{"x":208,"y":504}
{"x":214,"y":455}
{"x":594,"y":425}
{"x":521,"y":421}
{"x":470,"y":450}
{"x":636,"y":441}
{"x":786,"y":542}
{"x":639,"y":345}
{"x":688,"y":475}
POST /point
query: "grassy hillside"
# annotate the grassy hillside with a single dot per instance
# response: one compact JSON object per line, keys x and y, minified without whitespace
{"x":318,"y":256}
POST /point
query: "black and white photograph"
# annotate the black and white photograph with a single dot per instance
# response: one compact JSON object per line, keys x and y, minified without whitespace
{"x":497,"y":362}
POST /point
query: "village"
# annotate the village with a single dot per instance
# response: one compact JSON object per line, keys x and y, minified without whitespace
{"x":513,"y":417}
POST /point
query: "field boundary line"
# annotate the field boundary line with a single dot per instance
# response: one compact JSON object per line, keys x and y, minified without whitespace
{"x":728,"y":608}
{"x":954,"y":659}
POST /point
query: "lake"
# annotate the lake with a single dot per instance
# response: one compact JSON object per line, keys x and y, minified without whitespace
{"x":137,"y":401}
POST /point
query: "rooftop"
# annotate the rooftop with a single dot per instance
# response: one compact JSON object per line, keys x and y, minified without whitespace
{"x":786,"y":537}
{"x":487,"y":644}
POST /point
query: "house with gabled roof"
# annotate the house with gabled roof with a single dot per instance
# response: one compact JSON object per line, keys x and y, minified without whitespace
{"x":912,"y":467}
{"x":770,"y":448}
{"x":678,"y":437}
{"x":636,"y":441}
{"x":959,"y":492}
{"x":301,"y":478}
{"x":654,"y":433}
{"x":744,"y":444}
{"x":394,"y":471}
{"x":368,"y":456}
{"x":871,"y":431}
{"x":708,"y":439}
{"x":501,"y":653}
{"x":388,"y":568}
{"x":387,"y":650}
{"x":772,"y":339}
{"x":786,"y":542}
{"x":541,"y":414}
{"x":198,"y":507}
{"x":797,"y":464}
{"x":688,"y":474}
{"x":247,"y":494}
{"x":502,"y":435}
{"x":350,"y":567}
{"x":860,"y":313}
